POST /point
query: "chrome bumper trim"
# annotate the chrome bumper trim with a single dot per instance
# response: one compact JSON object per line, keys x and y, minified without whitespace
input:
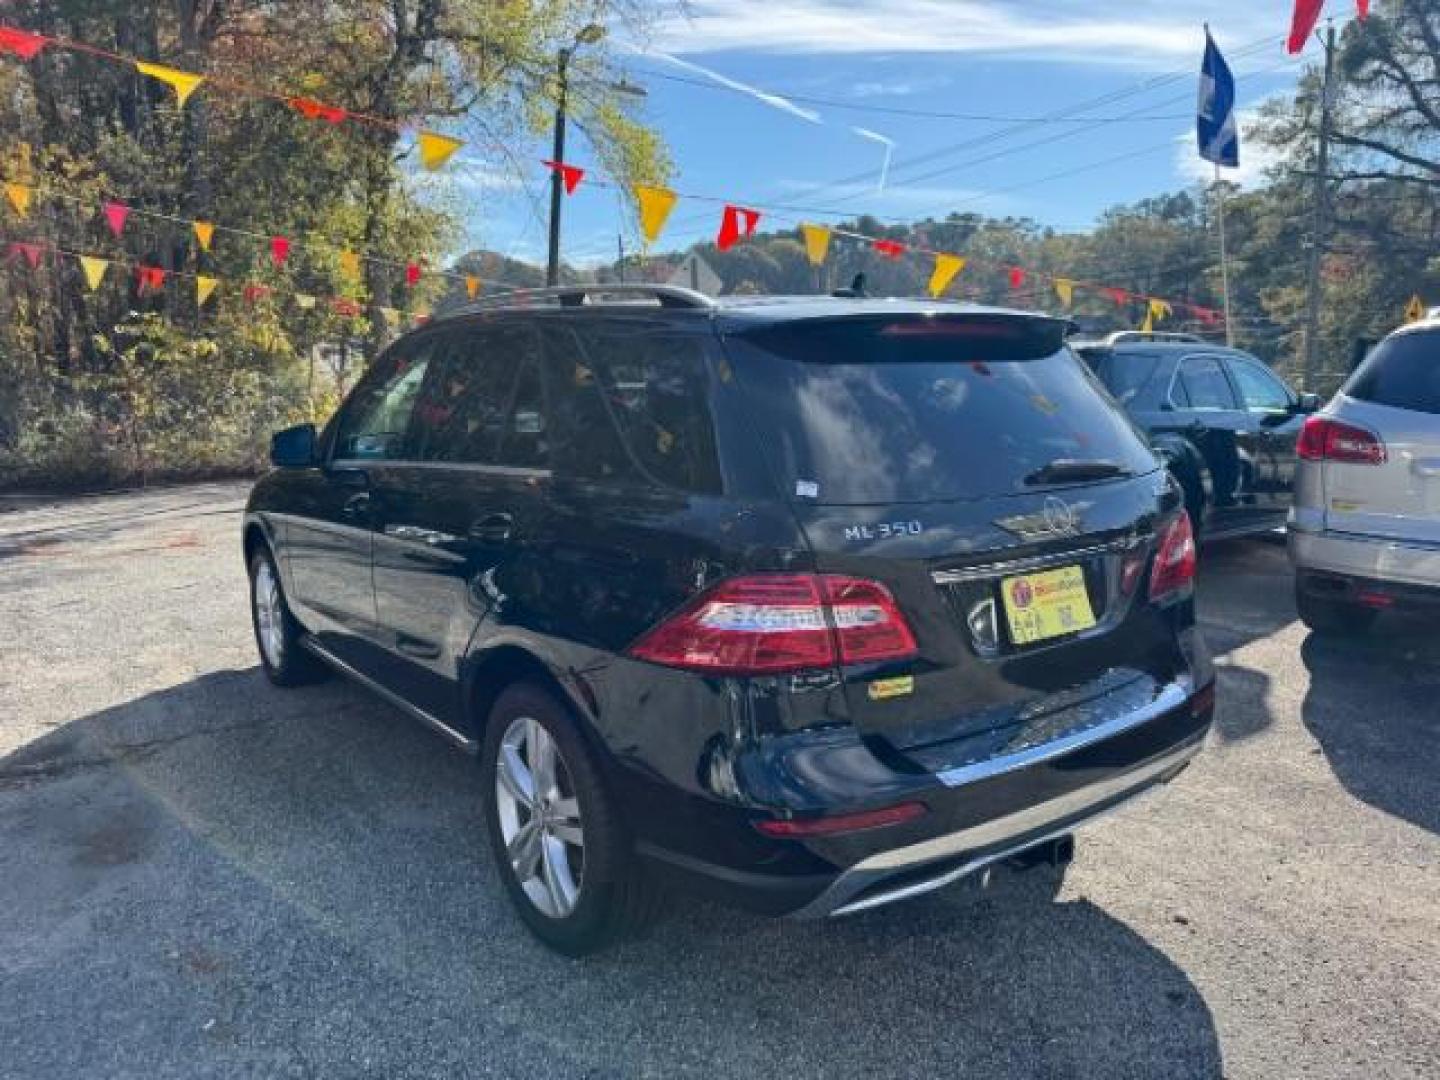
{"x":1170,"y":697}
{"x":1027,"y":828}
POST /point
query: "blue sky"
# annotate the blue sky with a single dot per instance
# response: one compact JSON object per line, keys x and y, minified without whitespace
{"x":991,"y":58}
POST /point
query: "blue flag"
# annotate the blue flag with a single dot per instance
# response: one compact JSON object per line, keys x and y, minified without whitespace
{"x":1215,"y":123}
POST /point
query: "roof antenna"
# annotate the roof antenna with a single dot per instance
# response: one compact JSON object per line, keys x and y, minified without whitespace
{"x":856,"y":289}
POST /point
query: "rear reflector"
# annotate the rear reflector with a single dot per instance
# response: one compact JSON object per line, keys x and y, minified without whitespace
{"x":791,"y":829}
{"x":1374,"y":599}
{"x":1324,"y":439}
{"x":1203,"y":700}
{"x":1175,"y":561}
{"x":764,"y":624}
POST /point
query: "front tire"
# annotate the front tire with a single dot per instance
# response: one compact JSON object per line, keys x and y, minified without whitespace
{"x":277,"y":634}
{"x":1333,"y":616}
{"x":555,"y":833}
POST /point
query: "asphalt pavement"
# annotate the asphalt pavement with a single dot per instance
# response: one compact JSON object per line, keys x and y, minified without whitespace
{"x":201,"y":875}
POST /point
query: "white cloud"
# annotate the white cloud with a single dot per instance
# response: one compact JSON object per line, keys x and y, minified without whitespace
{"x":775,"y":101}
{"x":1255,"y":157}
{"x":1146,"y":33}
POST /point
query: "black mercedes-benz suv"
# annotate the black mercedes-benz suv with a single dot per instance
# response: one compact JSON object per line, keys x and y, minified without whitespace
{"x":811,"y":603}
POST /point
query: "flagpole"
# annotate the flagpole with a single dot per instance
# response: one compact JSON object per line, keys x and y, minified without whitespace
{"x":1224,"y":257}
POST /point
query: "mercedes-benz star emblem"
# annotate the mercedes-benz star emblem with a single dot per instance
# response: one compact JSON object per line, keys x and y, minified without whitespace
{"x":1061,"y":517}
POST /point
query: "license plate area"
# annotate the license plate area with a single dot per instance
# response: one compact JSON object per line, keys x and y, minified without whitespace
{"x":1046,"y":604}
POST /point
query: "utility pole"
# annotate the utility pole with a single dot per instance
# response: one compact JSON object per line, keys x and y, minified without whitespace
{"x":552,"y":263}
{"x":1322,"y":220}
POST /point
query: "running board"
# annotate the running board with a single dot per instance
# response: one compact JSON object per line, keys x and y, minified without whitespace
{"x":469,"y":745}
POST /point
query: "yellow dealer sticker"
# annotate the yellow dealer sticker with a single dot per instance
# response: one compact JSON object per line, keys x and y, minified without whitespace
{"x":1046,"y":605}
{"x":882,"y":689}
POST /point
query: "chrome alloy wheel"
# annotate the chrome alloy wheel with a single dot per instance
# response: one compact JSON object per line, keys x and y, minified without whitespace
{"x":269,"y":615}
{"x":540,"y":818}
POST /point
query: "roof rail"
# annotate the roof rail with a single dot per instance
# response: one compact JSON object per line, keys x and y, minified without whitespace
{"x":668,"y":296}
{"x":1120,"y":336}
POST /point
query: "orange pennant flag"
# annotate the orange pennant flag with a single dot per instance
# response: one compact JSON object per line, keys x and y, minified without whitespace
{"x":204,"y":288}
{"x":817,"y":243}
{"x":350,"y":265}
{"x":20,"y":196}
{"x":182,"y":82}
{"x":205,"y":233}
{"x":655,"y":206}
{"x":435,"y":149}
{"x":472,"y":286}
{"x":946,"y":267}
{"x":94,"y":270}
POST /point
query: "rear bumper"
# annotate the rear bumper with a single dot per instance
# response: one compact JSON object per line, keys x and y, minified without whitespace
{"x":977,"y":814}
{"x":1369,"y":558}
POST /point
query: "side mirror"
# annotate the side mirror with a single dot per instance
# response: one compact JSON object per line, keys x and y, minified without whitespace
{"x":1310,"y":403}
{"x":293,"y":448}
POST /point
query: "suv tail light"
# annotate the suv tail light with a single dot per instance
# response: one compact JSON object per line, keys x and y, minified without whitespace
{"x":1175,"y":560}
{"x":1324,"y":439}
{"x":764,"y":624}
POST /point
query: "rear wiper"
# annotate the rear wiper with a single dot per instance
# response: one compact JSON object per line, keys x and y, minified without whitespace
{"x":1076,"y":471}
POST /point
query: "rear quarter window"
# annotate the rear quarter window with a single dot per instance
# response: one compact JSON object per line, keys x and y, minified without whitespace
{"x":1131,"y":377}
{"x":1403,"y":372}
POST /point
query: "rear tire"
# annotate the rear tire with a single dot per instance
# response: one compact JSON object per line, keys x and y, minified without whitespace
{"x":555,"y":832}
{"x":1336,"y":617}
{"x":277,"y":634}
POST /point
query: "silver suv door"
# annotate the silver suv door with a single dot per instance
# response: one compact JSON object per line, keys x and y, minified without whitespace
{"x":1395,"y":394}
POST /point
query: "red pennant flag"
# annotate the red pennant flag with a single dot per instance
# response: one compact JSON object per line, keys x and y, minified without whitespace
{"x":151,"y":278}
{"x":255,"y":293}
{"x":279,"y":249}
{"x":318,"y":110}
{"x":31,"y":252}
{"x":1307,"y":14}
{"x":412,"y":274}
{"x":117,"y":213}
{"x":731,"y":228}
{"x":1363,"y":8}
{"x":891,"y":249}
{"x":345,"y":307}
{"x":1017,"y":277}
{"x":570,"y":175}
{"x":1120,"y":296}
{"x":21,"y":43}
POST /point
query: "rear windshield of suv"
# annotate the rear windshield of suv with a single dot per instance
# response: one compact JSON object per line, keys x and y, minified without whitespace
{"x":919,"y":409}
{"x":1403,"y":372}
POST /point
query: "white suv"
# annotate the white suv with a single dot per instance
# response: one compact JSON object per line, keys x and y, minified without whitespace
{"x":1365,"y":526}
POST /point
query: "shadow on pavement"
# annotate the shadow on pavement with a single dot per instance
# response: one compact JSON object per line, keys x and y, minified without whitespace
{"x":1374,"y":706}
{"x":223,"y":875}
{"x":1244,"y":592}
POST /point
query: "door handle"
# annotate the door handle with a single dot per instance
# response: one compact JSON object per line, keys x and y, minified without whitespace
{"x":493,"y":528}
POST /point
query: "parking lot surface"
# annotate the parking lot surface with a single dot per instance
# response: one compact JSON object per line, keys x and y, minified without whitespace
{"x":202,"y":876}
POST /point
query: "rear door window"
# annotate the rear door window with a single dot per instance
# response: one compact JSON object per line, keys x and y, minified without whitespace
{"x":1402,"y":372}
{"x":484,"y":403}
{"x":633,"y":405}
{"x":1205,"y":385}
{"x":905,"y":409}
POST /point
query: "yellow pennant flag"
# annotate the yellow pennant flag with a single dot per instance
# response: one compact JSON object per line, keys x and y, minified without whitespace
{"x":20,"y":196}
{"x":472,"y":286}
{"x":817,"y":243}
{"x":94,"y":270}
{"x":182,"y":82}
{"x":655,"y":206}
{"x":304,"y":301}
{"x":204,"y":287}
{"x":1065,"y":289}
{"x":946,"y":267}
{"x":435,"y":149}
{"x":390,"y":315}
{"x":205,"y":233}
{"x":350,"y":265}
{"x":1148,"y":326}
{"x":1415,"y":310}
{"x":1159,"y":309}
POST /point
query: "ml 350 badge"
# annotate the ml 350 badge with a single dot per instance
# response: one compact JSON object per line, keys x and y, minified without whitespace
{"x":1047,"y":605}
